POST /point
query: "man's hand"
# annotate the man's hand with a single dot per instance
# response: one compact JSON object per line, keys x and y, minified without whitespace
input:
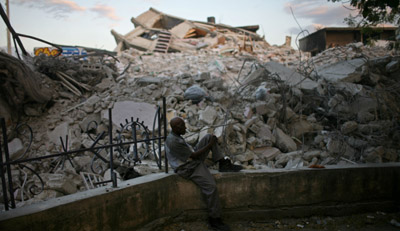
{"x":213,"y":140}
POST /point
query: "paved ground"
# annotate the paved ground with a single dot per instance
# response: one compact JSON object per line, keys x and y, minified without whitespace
{"x":366,"y":222}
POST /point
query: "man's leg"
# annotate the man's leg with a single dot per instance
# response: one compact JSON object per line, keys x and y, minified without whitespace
{"x":225,"y":165}
{"x":203,"y":178}
{"x":216,"y":153}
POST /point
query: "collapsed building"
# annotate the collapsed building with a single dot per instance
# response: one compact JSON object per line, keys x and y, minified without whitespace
{"x":271,"y":107}
{"x":159,"y":32}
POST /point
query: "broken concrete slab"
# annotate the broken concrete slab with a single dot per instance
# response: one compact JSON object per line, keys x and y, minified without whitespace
{"x":281,"y":160}
{"x":89,"y":105}
{"x":203,"y":76}
{"x":105,"y":84}
{"x":125,"y":110}
{"x":248,"y":156}
{"x":373,"y":154}
{"x":93,"y":100}
{"x":294,"y":163}
{"x":149,"y":80}
{"x":337,"y":146}
{"x":208,"y":115}
{"x":283,"y":141}
{"x":62,"y":130}
{"x":267,"y":153}
{"x":349,"y":88}
{"x":300,"y":127}
{"x":252,"y":141}
{"x":349,"y":127}
{"x":309,"y":155}
{"x":390,"y":155}
{"x":291,"y":77}
{"x":57,"y":182}
{"x":363,"y":103}
{"x":261,"y":108}
{"x":264,"y":133}
{"x":365,"y":116}
{"x":15,"y":149}
{"x":256,"y":77}
{"x":92,"y":119}
{"x":344,"y":71}
{"x":48,"y":194}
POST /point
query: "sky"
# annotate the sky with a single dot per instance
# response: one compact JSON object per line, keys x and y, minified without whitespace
{"x":89,"y":22}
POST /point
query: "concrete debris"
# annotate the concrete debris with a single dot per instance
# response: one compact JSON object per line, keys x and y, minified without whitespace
{"x":15,"y":149}
{"x":208,"y":115}
{"x":348,"y":52}
{"x":125,"y":110}
{"x":268,"y":108}
{"x":283,"y":141}
{"x":349,"y":127}
{"x":346,"y":71}
{"x":59,"y":182}
{"x":159,"y":32}
{"x":290,"y":76}
{"x":61,"y":130}
{"x":267,"y":153}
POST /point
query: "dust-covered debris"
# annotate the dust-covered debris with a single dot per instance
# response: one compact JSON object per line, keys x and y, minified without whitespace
{"x":289,"y":113}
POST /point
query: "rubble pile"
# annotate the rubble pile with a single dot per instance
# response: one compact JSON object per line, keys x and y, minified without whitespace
{"x":75,"y":74}
{"x":228,"y":66}
{"x":347,"y":52}
{"x":264,"y":113}
{"x":156,"y":31}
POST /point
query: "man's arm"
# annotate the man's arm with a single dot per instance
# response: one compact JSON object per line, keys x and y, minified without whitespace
{"x":205,"y":149}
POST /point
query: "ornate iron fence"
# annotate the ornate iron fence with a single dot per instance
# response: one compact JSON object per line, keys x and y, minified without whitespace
{"x":132,"y":133}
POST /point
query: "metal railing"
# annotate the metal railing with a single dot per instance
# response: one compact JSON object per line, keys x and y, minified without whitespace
{"x":121,"y":143}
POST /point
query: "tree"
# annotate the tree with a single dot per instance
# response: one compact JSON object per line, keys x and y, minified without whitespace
{"x":373,"y":12}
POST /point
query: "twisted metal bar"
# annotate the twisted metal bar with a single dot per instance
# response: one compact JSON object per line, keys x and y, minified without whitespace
{"x":132,"y":127}
{"x":157,"y":156}
{"x":32,"y":187}
{"x":8,"y":165}
{"x":3,"y":178}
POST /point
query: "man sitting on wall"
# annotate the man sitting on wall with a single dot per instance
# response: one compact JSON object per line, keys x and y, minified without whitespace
{"x":189,"y":164}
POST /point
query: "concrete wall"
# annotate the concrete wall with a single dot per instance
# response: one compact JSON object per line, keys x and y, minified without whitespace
{"x":316,"y":42}
{"x":251,"y":195}
{"x":342,"y":38}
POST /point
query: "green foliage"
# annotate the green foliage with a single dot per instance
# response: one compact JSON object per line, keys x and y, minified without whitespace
{"x":373,"y":12}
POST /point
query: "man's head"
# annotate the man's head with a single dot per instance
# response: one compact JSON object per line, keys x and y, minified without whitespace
{"x":178,"y":126}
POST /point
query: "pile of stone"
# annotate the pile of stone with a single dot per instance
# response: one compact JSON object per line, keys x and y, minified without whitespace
{"x":264,"y":113}
{"x":343,"y":53}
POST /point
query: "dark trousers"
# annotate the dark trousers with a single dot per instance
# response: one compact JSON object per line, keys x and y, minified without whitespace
{"x":197,"y":171}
